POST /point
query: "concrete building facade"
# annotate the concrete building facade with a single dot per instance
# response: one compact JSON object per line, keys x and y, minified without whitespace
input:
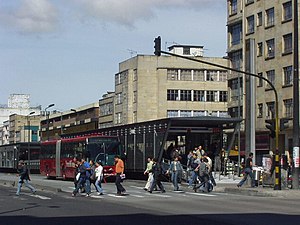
{"x":150,"y":87}
{"x":261,"y":32}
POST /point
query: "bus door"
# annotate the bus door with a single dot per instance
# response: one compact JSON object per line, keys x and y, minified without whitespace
{"x":57,"y":158}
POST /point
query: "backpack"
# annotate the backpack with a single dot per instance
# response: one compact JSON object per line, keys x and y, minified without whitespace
{"x":203,"y":169}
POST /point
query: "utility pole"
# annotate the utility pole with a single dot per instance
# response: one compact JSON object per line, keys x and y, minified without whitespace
{"x":296,"y":102}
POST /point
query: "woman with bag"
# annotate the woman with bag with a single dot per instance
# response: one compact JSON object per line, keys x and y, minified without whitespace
{"x":99,"y":177}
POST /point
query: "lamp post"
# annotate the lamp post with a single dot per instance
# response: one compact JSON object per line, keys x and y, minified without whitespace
{"x":46,"y":113}
{"x":28,"y":139}
{"x":75,"y":111}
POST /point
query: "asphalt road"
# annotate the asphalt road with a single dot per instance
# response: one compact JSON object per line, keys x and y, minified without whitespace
{"x":140,"y":207}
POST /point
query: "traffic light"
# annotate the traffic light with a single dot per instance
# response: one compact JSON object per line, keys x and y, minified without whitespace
{"x":270,"y":124}
{"x":284,"y":123}
{"x":157,"y":46}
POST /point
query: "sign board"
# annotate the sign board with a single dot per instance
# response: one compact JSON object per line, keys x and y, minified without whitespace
{"x":296,"y":157}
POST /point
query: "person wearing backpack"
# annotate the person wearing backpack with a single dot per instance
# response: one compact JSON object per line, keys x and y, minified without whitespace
{"x":195,"y":161}
{"x":203,"y":175}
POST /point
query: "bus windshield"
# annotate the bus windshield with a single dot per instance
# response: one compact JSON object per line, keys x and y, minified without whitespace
{"x":103,"y":151}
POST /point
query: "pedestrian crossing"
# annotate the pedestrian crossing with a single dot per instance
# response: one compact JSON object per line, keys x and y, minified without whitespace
{"x":133,"y":192}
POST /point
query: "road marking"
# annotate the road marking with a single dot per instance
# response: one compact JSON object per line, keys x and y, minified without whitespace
{"x":137,"y":187}
{"x":116,"y":196}
{"x":96,"y":196}
{"x":38,"y":196}
{"x":201,"y":194}
{"x":137,"y":196}
{"x":159,"y":195}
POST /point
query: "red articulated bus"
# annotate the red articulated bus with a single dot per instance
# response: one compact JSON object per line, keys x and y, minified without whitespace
{"x":57,"y":157}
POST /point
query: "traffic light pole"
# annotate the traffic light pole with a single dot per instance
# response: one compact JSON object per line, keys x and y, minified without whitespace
{"x":277,"y":185}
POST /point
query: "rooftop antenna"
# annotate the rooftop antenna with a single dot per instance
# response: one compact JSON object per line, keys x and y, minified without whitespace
{"x":132,"y":52}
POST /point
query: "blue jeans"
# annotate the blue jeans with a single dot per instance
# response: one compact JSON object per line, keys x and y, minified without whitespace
{"x":249,"y":172}
{"x":174,"y":179}
{"x":25,"y":181}
{"x":98,"y":185}
{"x":193,"y":178}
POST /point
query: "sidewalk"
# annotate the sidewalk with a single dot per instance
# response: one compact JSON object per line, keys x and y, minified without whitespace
{"x":224,"y":185}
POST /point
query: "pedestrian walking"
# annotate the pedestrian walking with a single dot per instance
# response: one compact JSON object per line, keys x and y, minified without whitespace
{"x":82,"y":177}
{"x":119,"y":174}
{"x":99,"y":177}
{"x":149,"y":173}
{"x":175,"y":171}
{"x":23,"y":174}
{"x":157,"y":173}
{"x":248,"y":171}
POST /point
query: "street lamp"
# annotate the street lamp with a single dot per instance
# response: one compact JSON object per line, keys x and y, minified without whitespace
{"x":29,"y":139}
{"x":47,"y":129}
{"x":75,"y":111}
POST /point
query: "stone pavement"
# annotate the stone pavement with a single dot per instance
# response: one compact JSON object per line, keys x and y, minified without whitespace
{"x":224,"y":185}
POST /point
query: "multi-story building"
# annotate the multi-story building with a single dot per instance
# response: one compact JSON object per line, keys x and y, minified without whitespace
{"x":106,"y":110}
{"x":77,"y":120}
{"x":260,"y":40}
{"x":150,"y":87}
{"x":24,"y":128}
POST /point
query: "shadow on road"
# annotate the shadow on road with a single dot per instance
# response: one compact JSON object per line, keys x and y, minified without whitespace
{"x":147,"y":219}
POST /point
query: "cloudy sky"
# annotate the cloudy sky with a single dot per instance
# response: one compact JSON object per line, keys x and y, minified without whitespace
{"x":67,"y":51}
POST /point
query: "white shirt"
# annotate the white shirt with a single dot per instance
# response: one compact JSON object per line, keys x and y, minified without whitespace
{"x":99,"y":172}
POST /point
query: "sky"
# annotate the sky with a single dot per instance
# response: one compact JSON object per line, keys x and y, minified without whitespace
{"x":67,"y":52}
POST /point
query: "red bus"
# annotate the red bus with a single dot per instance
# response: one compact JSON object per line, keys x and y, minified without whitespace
{"x":57,"y":156}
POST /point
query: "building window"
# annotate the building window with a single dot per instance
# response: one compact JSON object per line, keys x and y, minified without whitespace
{"x":118,"y":118}
{"x":198,"y":75}
{"x":172,"y":113}
{"x":185,"y":113}
{"x":172,"y":74}
{"x":236,"y":59}
{"x":185,"y":95}
{"x":117,"y":79}
{"x":233,"y":7}
{"x":270,"y":110}
{"x":288,"y":75}
{"x":223,"y":76}
{"x":236,"y":34}
{"x":288,"y":108}
{"x":250,"y":24}
{"x":211,"y":75}
{"x":223,"y":96}
{"x":210,"y":96}
{"x":259,"y":19}
{"x":186,"y":51}
{"x":260,"y":80}
{"x":186,"y":75}
{"x":271,"y":77}
{"x":119,"y":98}
{"x":172,"y":95}
{"x":260,"y":110}
{"x":236,"y":91}
{"x":287,"y":43}
{"x":135,"y":75}
{"x":287,"y":11}
{"x":270,"y":44}
{"x":199,"y":96}
{"x":270,"y":17}
{"x":134,"y":96}
{"x":259,"y":49}
{"x":199,"y":113}
{"x":106,"y":109}
{"x":249,"y":2}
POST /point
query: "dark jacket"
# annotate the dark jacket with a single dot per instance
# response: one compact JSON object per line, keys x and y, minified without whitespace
{"x":23,"y":173}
